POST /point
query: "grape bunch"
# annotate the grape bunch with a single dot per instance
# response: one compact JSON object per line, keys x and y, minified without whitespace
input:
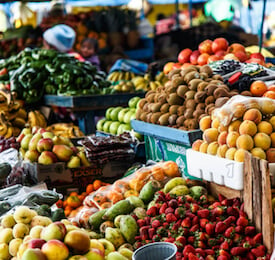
{"x":227,"y":66}
{"x":8,"y":143}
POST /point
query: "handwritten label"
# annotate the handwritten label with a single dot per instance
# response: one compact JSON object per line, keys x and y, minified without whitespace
{"x":230,"y":170}
{"x":82,"y":172}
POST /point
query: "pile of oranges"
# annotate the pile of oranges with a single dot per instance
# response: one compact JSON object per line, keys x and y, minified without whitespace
{"x":259,"y":89}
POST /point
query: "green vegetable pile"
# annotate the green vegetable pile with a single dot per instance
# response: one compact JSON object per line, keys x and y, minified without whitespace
{"x":35,"y":72}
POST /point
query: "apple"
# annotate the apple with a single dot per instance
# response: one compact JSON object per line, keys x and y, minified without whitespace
{"x":108,"y":113}
{"x":41,"y":130}
{"x":4,"y":251}
{"x":31,"y":155}
{"x":44,"y":144}
{"x":33,"y":254}
{"x":168,"y":67}
{"x":108,"y":246}
{"x":114,"y":113}
{"x":257,"y":55}
{"x":122,"y":113}
{"x":47,"y":157}
{"x":48,"y":134}
{"x":34,"y":213}
{"x":176,"y":65}
{"x":213,"y":58}
{"x":14,"y":246}
{"x":94,"y":243}
{"x":74,"y":162}
{"x":95,"y":254}
{"x":129,"y":116}
{"x":253,"y":60}
{"x":40,"y":221}
{"x":236,"y":47}
{"x":100,"y":123}
{"x":36,"y":243}
{"x":194,"y":57}
{"x":220,"y":53}
{"x":132,"y":103}
{"x":6,"y":235}
{"x":205,"y":47}
{"x":36,"y":231}
{"x":78,"y":241}
{"x":116,"y":256}
{"x":22,"y":134}
{"x":27,"y":238}
{"x":8,"y":221}
{"x":106,"y":126}
{"x":126,"y":252}
{"x":78,"y":257}
{"x":120,"y":129}
{"x":242,"y":56}
{"x":55,"y":250}
{"x":56,"y":230}
{"x":113,"y":127}
{"x":70,"y":227}
{"x":184,"y":55}
{"x":63,"y":152}
{"x":25,"y":141}
{"x":34,"y":140}
{"x":127,"y":245}
{"x":22,"y":214}
{"x":20,"y":230}
{"x":219,"y":44}
{"x":203,"y":58}
{"x":230,"y":56}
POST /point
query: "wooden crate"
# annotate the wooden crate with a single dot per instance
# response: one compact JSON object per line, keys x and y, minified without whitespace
{"x":256,"y":196}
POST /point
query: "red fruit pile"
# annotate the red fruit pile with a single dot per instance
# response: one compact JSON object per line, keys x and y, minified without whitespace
{"x":200,"y":229}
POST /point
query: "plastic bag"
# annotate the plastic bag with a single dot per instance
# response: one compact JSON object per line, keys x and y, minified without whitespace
{"x":134,"y":66}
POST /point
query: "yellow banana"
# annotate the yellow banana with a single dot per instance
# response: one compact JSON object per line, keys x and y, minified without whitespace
{"x":22,"y":113}
{"x":9,"y":132}
{"x":41,"y":119}
{"x":16,"y":131}
{"x":32,"y":119}
{"x":19,"y":122}
{"x":153,"y":85}
{"x":3,"y":130}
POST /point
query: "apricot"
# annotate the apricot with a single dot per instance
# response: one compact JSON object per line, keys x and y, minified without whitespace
{"x":234,"y":126}
{"x":222,"y":150}
{"x":230,"y":153}
{"x":239,"y":155}
{"x":272,"y":122}
{"x":223,"y":128}
{"x":262,"y":140}
{"x":222,"y":138}
{"x":270,"y":155}
{"x":258,"y":152}
{"x":205,"y":123}
{"x":231,"y":139}
{"x":272,"y":137}
{"x":215,"y":123}
{"x":248,"y":127}
{"x":254,"y":115}
{"x":203,"y":147}
{"x":253,"y":104}
{"x":245,"y":142}
{"x":265,"y":127}
{"x":267,"y":107}
{"x":212,"y":148}
{"x":238,"y":110}
{"x":196,"y":145}
{"x":210,"y":135}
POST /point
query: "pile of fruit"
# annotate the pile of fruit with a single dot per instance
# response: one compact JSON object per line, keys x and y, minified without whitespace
{"x":243,"y":124}
{"x":68,"y":130}
{"x":117,"y":119}
{"x":39,"y":145}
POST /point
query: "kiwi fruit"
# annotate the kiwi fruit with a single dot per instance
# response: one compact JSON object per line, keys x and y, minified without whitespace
{"x":155,"y":107}
{"x":180,"y":120}
{"x":171,"y":89}
{"x":164,"y":108}
{"x":202,"y":85}
{"x":162,"y":98}
{"x":200,"y":96}
{"x":148,"y":117}
{"x":149,"y":93}
{"x":246,"y":93}
{"x":173,"y":109}
{"x":143,"y":116}
{"x":221,"y":101}
{"x":203,"y":76}
{"x":217,"y":82}
{"x":193,"y":84}
{"x":142,"y":102}
{"x":201,"y":116}
{"x":197,"y":113}
{"x":138,"y":113}
{"x":183,"y":128}
{"x":181,"y":110}
{"x":187,"y":70}
{"x":146,"y":107}
{"x":150,"y":98}
{"x":201,"y":106}
{"x":191,"y":124}
{"x":155,"y":117}
{"x":209,"y":109}
{"x":210,"y":89}
{"x":217,"y":77}
{"x":163,"y":119}
{"x":181,"y":90}
{"x":191,"y":75}
{"x":167,"y":84}
{"x":173,"y":72}
{"x":206,"y":69}
{"x":190,"y":103}
{"x":156,"y":97}
{"x":209,"y":100}
{"x":190,"y":94}
{"x":188,"y":113}
{"x":174,"y":99}
{"x":172,"y":119}
{"x":177,"y":81}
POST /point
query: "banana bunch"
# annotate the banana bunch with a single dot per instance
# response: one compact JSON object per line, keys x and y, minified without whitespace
{"x":120,"y":75}
{"x":255,"y":49}
{"x":36,"y":118}
{"x":68,"y":130}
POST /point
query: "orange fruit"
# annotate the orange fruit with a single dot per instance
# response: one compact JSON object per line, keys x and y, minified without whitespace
{"x":97,"y":184}
{"x":74,"y":193}
{"x":73,"y":201}
{"x":269,"y":94}
{"x":258,"y":88}
{"x":158,"y":173}
{"x":271,"y":88}
{"x":89,"y":188}
{"x":171,"y":169}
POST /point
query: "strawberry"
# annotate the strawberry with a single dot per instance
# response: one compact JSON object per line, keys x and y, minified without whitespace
{"x":237,"y":202}
{"x":152,"y":212}
{"x":203,"y":213}
{"x":151,"y":232}
{"x":250,"y":256}
{"x":239,"y":229}
{"x":215,"y":204}
{"x":249,"y":231}
{"x":229,"y":220}
{"x":212,"y":242}
{"x":191,"y":256}
{"x":156,"y":238}
{"x":178,"y":256}
{"x":161,"y":231}
{"x":189,"y":198}
{"x":250,"y":241}
{"x":203,"y":222}
{"x":147,"y":220}
{"x":169,"y":239}
{"x":227,"y":202}
{"x":200,"y":252}
{"x":181,"y":200}
{"x":168,"y":197}
{"x":220,"y":239}
{"x":221,"y":197}
{"x":217,"y":211}
{"x":220,"y":227}
{"x":160,"y":196}
{"x":203,"y":199}
{"x":222,"y":257}
{"x":189,"y":214}
{"x":188,"y":249}
{"x":232,"y":211}
{"x":141,"y":222}
{"x":194,"y":228}
{"x":191,"y":240}
{"x":170,"y":217}
{"x":258,"y":238}
{"x":137,"y":238}
{"x":209,"y":257}
{"x":187,"y":205}
{"x":259,"y":251}
{"x":186,"y":222}
{"x":242,"y":213}
{"x":238,"y":251}
{"x":210,"y":228}
{"x":229,"y":232}
{"x":144,"y":232}
{"x":179,"y":212}
{"x":194,"y":207}
{"x":176,"y":226}
{"x":209,"y":252}
{"x":173,"y":203}
{"x":165,"y":224}
{"x":169,"y":210}
{"x":237,"y":238}
{"x":156,"y":223}
{"x":181,"y":240}
{"x":163,"y":208}
{"x":199,"y":244}
{"x":195,"y":220}
{"x":184,"y":231}
{"x":242,"y":221}
{"x":224,"y":253}
{"x":224,"y":245}
{"x":202,"y":236}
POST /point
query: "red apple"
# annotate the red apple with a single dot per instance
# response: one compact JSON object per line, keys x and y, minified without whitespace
{"x":55,"y":250}
{"x":203,"y":58}
{"x":194,"y":57}
{"x":185,"y":65}
{"x":95,"y":254}
{"x":184,"y":55}
{"x":47,"y":157}
{"x":220,"y":53}
{"x":33,"y":254}
{"x":219,"y":44}
{"x":176,"y":66}
{"x":45,"y":144}
{"x":257,"y":55}
{"x":230,"y":56}
{"x":242,"y":56}
{"x":168,"y":67}
{"x":56,"y":230}
{"x":236,"y":47}
{"x":213,"y":58}
{"x":253,"y":60}
{"x":206,"y":47}
{"x":36,"y":243}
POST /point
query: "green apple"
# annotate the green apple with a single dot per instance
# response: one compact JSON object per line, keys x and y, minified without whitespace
{"x":100,"y":123}
{"x":95,"y":254}
{"x":106,"y":126}
{"x":121,"y":114}
{"x":56,"y":230}
{"x":114,"y":113}
{"x":129,"y":116}
{"x":116,"y":256}
{"x":120,"y":129}
{"x":113,"y":127}
{"x":138,"y":136}
{"x":108,"y":113}
{"x":133,"y":102}
{"x":126,"y":252}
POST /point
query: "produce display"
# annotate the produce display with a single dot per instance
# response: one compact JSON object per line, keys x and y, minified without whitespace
{"x":242,"y":124}
{"x":117,"y":119}
{"x":68,"y":130}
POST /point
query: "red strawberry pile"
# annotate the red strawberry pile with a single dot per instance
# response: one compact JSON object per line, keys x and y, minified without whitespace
{"x":202,"y":229}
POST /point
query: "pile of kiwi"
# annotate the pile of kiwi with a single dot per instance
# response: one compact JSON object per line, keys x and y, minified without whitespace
{"x":190,"y":94}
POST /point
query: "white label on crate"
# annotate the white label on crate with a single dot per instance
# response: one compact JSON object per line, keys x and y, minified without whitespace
{"x":176,"y":149}
{"x":230,"y":170}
